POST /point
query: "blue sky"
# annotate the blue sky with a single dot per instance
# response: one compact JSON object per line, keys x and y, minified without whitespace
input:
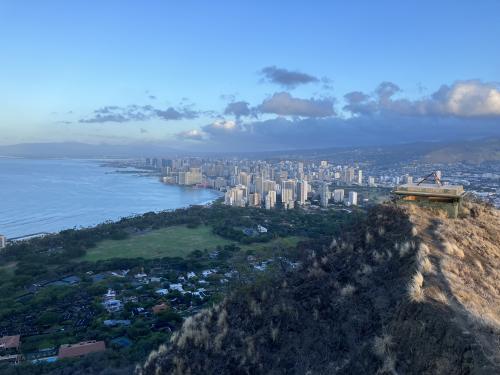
{"x":61,"y":61}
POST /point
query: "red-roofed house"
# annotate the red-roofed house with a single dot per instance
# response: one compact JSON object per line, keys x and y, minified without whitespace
{"x":10,"y":343}
{"x":81,"y":349}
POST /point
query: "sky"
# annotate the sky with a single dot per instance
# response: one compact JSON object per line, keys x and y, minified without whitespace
{"x":248,"y":75}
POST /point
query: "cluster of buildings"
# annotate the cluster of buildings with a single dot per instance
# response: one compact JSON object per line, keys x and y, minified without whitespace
{"x":287,"y":183}
{"x":264,"y":183}
{"x":266,"y":192}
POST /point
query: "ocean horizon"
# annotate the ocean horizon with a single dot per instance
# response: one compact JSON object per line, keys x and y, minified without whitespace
{"x":50,"y":195}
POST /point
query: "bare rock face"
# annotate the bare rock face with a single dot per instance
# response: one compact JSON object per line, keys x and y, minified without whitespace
{"x":407,"y":291}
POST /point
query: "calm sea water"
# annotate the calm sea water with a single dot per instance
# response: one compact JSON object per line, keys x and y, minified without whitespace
{"x":51,"y":195}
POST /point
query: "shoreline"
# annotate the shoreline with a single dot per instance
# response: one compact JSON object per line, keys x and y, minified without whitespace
{"x":30,"y":236}
{"x":25,"y":232}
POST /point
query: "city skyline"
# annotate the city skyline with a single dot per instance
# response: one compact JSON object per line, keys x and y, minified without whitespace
{"x":206,"y":77}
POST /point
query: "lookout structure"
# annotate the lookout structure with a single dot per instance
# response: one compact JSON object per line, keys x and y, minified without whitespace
{"x":446,"y":197}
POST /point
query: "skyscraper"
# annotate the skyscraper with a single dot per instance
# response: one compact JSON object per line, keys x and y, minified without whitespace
{"x":324,"y":195}
{"x":302,"y":190}
{"x":338,"y":195}
{"x":287,"y":191}
{"x":270,"y":199}
{"x":353,"y":198}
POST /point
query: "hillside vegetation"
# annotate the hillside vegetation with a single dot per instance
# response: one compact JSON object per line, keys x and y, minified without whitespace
{"x":474,"y":152}
{"x":406,"y":291}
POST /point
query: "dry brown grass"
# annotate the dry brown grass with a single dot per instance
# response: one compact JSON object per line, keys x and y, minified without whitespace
{"x":415,"y":290}
{"x":461,"y":264}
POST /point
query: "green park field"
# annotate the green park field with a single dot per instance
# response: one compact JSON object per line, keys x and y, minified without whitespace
{"x":176,"y":241}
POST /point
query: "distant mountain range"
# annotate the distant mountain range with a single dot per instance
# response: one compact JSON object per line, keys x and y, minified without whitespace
{"x":84,"y":150}
{"x":475,"y":151}
{"x":471,"y":152}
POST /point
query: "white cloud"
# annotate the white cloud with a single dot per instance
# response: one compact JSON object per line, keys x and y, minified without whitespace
{"x":462,"y":99}
{"x":469,"y":98}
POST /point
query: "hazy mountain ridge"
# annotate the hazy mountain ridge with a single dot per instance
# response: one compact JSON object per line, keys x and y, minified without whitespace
{"x":83,"y":150}
{"x":406,"y":291}
{"x":471,"y":152}
{"x":476,"y":151}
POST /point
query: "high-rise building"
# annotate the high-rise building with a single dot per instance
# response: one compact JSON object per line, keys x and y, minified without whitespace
{"x":371,"y":181}
{"x":192,"y":177}
{"x":287,"y":195}
{"x":236,"y":196}
{"x":288,"y":185}
{"x":349,"y":175}
{"x":195,"y":176}
{"x":324,"y":195}
{"x":244,"y":179}
{"x":254,"y":200}
{"x":338,"y":195}
{"x":300,"y":167}
{"x":302,"y":190}
{"x":270,"y":199}
{"x":259,"y":184}
{"x":268,"y":186}
{"x":360,"y":177}
{"x":3,"y":241}
{"x":353,"y":198}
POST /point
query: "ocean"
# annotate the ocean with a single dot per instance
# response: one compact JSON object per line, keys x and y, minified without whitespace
{"x":52,"y":195}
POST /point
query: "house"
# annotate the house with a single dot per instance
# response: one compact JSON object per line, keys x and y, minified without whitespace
{"x":161,"y":292}
{"x":80,"y":349}
{"x":208,"y":272}
{"x":261,"y":229}
{"x":113,"y":305}
{"x":190,"y":275}
{"x":177,"y":287}
{"x":110,"y":295}
{"x":10,"y":344}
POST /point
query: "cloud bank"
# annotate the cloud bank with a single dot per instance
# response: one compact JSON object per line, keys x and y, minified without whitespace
{"x":461,"y":110}
{"x":134,"y":112}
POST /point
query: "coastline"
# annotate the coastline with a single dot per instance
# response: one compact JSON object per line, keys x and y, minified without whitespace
{"x":84,"y":202}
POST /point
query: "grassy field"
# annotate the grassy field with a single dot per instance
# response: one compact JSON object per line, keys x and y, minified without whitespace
{"x":176,"y":241}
